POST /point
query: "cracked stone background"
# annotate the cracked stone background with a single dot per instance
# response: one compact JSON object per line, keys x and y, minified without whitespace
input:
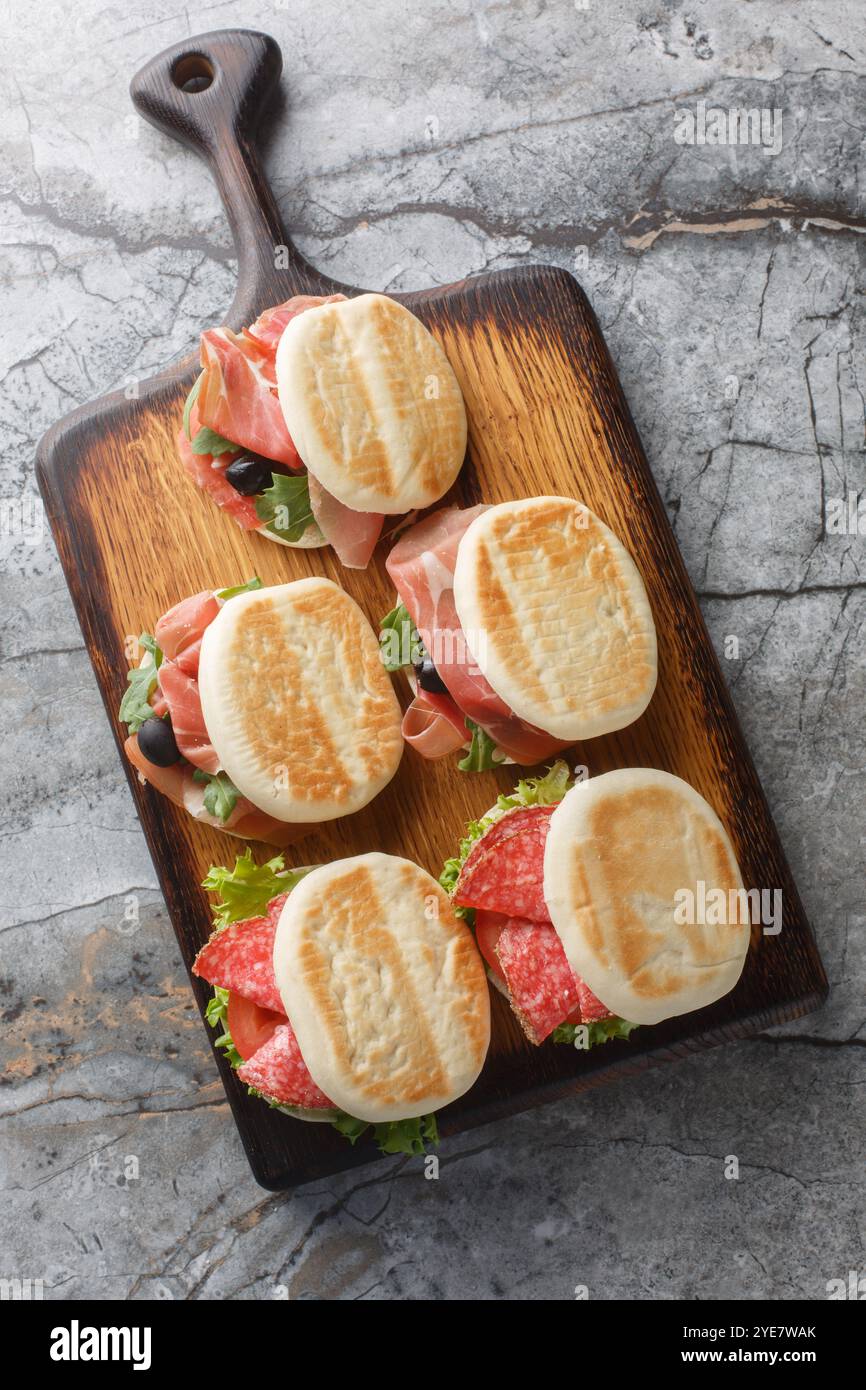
{"x":420,"y":143}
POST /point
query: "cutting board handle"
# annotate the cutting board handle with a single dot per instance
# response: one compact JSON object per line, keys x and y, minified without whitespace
{"x":209,"y":92}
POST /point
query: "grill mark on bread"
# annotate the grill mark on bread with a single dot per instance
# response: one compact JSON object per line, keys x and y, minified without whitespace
{"x":619,"y":830}
{"x":559,"y":572}
{"x":352,"y":948}
{"x":353,"y":380}
{"x":287,"y":725}
{"x":384,"y":985}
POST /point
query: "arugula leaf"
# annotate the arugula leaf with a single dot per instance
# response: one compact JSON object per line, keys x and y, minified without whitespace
{"x":246,"y":890}
{"x":209,"y":442}
{"x":254,"y":583}
{"x":216,"y":1014}
{"x":530,"y":791}
{"x":482,"y":751}
{"x":599,"y":1032}
{"x":285,"y":506}
{"x":135,"y":706}
{"x":394,"y":1137}
{"x":221,"y":794}
{"x":399,"y":643}
{"x":190,"y":402}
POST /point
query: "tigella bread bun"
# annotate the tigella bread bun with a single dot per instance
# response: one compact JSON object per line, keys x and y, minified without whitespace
{"x":385,"y":989}
{"x":625,"y":854}
{"x":349,"y":993}
{"x":579,"y":896}
{"x":372,"y":404}
{"x":556,"y":616}
{"x":263,"y":711}
{"x":528,"y":628}
{"x":296,"y":701}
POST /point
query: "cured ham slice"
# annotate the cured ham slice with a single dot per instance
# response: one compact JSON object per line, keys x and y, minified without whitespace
{"x":269,"y":327}
{"x":352,"y":534}
{"x":209,"y":474}
{"x":238,"y":395}
{"x":183,"y":626}
{"x":421,"y":566}
{"x":429,"y":731}
{"x":180,"y":692}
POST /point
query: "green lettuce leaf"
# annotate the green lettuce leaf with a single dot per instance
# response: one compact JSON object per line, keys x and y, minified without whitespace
{"x":254,"y":583}
{"x":190,"y":402}
{"x":209,"y":442}
{"x":285,"y":506}
{"x":599,"y":1032}
{"x":221,"y":794}
{"x":530,"y":791}
{"x":246,"y":890}
{"x":216,"y":1014}
{"x":482,"y":751}
{"x":395,"y":1137}
{"x":135,"y":706}
{"x":399,"y":643}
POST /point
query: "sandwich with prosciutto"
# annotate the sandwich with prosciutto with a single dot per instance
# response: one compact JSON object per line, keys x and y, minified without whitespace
{"x":263,"y":711}
{"x":348,"y":994}
{"x":576,"y":895}
{"x":322,"y":418}
{"x":525,"y":628}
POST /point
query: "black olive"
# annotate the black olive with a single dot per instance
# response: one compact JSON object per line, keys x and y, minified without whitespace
{"x":156,"y":741}
{"x":250,"y":475}
{"x":429,"y":678}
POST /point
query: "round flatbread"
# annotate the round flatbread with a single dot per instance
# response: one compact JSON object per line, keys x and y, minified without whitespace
{"x":297,"y":703}
{"x":372,"y":404}
{"x":556,"y":616}
{"x":384,"y":987}
{"x":634,"y":859}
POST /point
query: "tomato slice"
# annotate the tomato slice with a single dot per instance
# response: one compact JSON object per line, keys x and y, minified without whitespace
{"x":488,"y":925}
{"x":250,"y":1025}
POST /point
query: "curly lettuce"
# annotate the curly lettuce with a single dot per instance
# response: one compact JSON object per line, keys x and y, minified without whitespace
{"x":599,"y":1032}
{"x":246,"y":890}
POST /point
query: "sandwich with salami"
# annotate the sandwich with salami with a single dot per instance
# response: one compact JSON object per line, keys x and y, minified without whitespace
{"x":524,"y":628}
{"x":348,"y":994}
{"x":322,"y":418}
{"x":575,"y":892}
{"x":263,"y":711}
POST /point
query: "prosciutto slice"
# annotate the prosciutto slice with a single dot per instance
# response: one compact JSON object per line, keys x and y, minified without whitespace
{"x":238,"y":395}
{"x":352,"y":534}
{"x":430,"y":731}
{"x":421,"y":566}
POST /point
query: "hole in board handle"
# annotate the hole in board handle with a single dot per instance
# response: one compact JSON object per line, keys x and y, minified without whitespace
{"x":192,"y":73}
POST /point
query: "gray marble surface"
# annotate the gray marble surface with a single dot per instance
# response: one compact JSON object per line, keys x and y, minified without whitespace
{"x":420,"y":143}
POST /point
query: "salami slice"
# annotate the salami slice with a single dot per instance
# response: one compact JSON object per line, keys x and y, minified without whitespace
{"x":505,"y":870}
{"x":240,"y":958}
{"x":279,"y":1071}
{"x":591,"y":1008}
{"x":541,"y":983}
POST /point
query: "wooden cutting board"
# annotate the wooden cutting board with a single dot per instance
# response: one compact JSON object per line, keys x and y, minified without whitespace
{"x":546,"y":415}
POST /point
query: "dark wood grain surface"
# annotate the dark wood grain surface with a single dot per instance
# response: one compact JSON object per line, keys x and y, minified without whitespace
{"x":546,"y":414}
